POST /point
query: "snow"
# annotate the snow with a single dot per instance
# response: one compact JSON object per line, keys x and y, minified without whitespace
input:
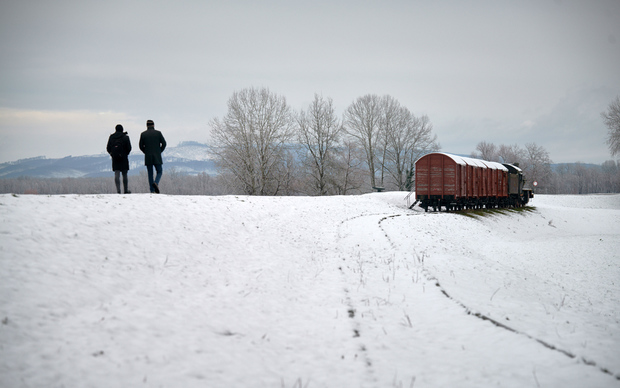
{"x":189,"y":151}
{"x":356,"y":291}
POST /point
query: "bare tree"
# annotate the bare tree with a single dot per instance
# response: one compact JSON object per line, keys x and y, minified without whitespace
{"x":393,"y":119}
{"x":349,"y":172}
{"x":611,"y":176}
{"x":288,"y":175}
{"x":486,"y":151}
{"x":251,"y":140}
{"x":612,"y":121}
{"x":409,"y":138}
{"x":362,"y":122}
{"x":538,"y":166}
{"x":319,"y":132}
{"x":391,"y":137}
{"x":512,"y":154}
{"x":534,"y":160}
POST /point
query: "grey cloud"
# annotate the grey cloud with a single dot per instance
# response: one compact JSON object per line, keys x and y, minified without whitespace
{"x":475,"y":68}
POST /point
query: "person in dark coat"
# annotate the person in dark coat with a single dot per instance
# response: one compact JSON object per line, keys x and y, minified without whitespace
{"x":119,"y":147}
{"x":152,"y":143}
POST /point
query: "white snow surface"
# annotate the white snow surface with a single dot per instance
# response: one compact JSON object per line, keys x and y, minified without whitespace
{"x":356,"y":291}
{"x":188,"y":151}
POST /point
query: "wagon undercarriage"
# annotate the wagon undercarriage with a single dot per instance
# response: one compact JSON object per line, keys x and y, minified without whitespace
{"x":437,"y":203}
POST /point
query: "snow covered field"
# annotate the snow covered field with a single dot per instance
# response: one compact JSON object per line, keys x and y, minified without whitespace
{"x":173,"y":291}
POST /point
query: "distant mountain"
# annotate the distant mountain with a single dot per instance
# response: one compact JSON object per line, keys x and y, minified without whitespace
{"x":190,"y":158}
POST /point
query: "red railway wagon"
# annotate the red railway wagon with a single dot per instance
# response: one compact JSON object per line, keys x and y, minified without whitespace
{"x":456,"y":182}
{"x":496,"y":179}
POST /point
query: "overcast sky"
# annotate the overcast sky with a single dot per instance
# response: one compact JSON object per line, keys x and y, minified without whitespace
{"x":507,"y":72}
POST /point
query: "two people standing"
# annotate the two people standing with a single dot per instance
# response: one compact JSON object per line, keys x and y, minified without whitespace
{"x":152,"y":144}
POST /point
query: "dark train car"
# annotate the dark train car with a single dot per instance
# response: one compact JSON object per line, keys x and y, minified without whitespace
{"x":518,"y":194}
{"x":456,"y":182}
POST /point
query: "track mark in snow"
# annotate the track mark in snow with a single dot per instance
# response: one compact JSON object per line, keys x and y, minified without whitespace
{"x":362,"y":350}
{"x":483,"y":317}
{"x":356,"y":332}
{"x":392,"y":244}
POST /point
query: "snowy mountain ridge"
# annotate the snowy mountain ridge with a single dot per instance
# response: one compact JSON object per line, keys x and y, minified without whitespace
{"x":187,"y":158}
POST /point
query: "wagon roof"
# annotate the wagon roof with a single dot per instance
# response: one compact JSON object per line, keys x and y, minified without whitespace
{"x":511,"y":167}
{"x":495,"y":165}
{"x":466,"y":161}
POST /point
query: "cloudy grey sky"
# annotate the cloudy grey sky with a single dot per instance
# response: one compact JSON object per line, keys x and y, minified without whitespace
{"x":507,"y":72}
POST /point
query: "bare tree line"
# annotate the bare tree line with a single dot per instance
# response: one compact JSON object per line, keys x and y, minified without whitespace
{"x":567,"y":178}
{"x":172,"y":182}
{"x":580,"y":178}
{"x":265,"y":148}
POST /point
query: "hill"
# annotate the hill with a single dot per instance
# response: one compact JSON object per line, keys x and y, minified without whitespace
{"x":187,"y":158}
{"x":356,"y":291}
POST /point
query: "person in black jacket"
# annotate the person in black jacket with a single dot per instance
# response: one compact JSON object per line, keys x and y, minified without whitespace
{"x":152,"y":143}
{"x":119,"y":148}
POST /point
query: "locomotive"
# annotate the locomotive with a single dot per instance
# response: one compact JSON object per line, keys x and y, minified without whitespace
{"x":457,"y":182}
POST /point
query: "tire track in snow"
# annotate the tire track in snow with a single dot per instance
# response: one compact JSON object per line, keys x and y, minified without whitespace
{"x":351,"y":306}
{"x":430,"y":277}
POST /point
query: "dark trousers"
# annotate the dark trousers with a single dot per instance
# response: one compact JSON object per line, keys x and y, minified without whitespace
{"x":149,"y":170}
{"x":117,"y":180}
